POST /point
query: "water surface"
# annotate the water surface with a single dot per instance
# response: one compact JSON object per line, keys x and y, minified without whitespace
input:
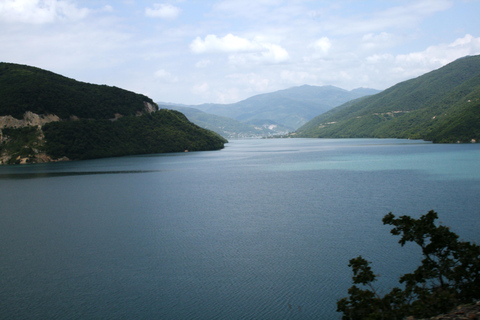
{"x":263,"y":229}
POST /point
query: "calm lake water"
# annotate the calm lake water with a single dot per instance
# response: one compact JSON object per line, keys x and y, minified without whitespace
{"x":263,"y":229}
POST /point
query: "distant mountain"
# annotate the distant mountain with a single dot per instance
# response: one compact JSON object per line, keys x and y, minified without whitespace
{"x":440,"y":106}
{"x":280,"y":111}
{"x":230,"y":128}
{"x":45,"y":117}
{"x":290,"y":107}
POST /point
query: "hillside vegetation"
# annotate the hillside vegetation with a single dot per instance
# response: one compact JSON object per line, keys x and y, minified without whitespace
{"x":158,"y":132}
{"x":25,"y":88}
{"x":230,"y":128}
{"x":440,"y":106}
{"x":46,"y":117}
{"x":283,"y":110}
{"x":449,"y":275}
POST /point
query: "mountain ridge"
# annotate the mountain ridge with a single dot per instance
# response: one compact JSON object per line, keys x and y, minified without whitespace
{"x":230,"y":128}
{"x":439,"y":106}
{"x":269,"y":114}
{"x":47,"y":117}
{"x":304,"y":102}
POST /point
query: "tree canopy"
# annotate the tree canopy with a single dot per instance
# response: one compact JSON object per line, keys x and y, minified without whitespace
{"x":25,"y":88}
{"x":158,"y":132}
{"x":448,"y":276}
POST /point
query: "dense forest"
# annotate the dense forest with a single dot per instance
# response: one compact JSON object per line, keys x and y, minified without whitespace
{"x":25,"y":88}
{"x":95,"y":120}
{"x":157,"y":132}
{"x":440,"y":106}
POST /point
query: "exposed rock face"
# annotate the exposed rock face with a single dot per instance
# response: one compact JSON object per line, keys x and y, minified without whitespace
{"x":149,"y":108}
{"x":29,"y":119}
{"x":41,"y":157}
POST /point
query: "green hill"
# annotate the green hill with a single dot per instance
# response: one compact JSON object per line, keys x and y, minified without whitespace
{"x":24,"y":88}
{"x":289,"y":108}
{"x":230,"y":128}
{"x":440,"y":106}
{"x":157,"y":132}
{"x":45,"y":117}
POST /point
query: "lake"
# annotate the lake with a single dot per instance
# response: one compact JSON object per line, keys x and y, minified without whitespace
{"x":262,"y":229}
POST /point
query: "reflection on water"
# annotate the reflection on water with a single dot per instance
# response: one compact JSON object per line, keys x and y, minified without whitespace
{"x":263,"y":229}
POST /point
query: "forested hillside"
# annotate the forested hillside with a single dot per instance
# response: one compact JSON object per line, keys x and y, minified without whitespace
{"x":47,"y":117}
{"x":230,"y":128}
{"x":158,"y":132}
{"x":289,"y":108}
{"x":25,"y":88}
{"x":440,"y":106}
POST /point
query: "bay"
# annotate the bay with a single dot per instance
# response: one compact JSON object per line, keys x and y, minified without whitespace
{"x":262,"y":229}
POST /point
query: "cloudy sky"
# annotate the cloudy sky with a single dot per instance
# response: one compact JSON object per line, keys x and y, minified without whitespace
{"x":196,"y":51}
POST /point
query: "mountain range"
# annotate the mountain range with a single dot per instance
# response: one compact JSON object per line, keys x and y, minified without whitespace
{"x":272,"y":113}
{"x":440,"y":106}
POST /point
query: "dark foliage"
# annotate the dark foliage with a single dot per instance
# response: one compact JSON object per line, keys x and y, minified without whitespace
{"x":109,"y":120}
{"x":25,"y":88}
{"x":158,"y":132}
{"x":20,"y":143}
{"x":448,"y":276}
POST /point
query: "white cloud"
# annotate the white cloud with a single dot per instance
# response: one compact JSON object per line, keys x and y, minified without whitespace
{"x":241,"y":44}
{"x":466,"y":41}
{"x":201,"y":88}
{"x":386,"y":69}
{"x":247,"y":9}
{"x":298,"y":77}
{"x":408,"y":15}
{"x":322,"y":45}
{"x":364,"y":63}
{"x":107,"y":8}
{"x":254,"y":82}
{"x":164,"y":11}
{"x":241,"y":50}
{"x":377,"y":58}
{"x":349,"y":67}
{"x":229,"y":43}
{"x":372,"y":41}
{"x":39,"y":11}
{"x":165,"y":76}
{"x":203,"y":63}
{"x":442,"y":54}
{"x":273,"y":54}
{"x":73,"y":49}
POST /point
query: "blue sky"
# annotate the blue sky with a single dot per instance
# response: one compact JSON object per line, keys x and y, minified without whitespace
{"x":193,"y":51}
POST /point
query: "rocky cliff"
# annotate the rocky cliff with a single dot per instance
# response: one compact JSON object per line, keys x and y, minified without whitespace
{"x":11,"y":149}
{"x":22,"y":141}
{"x":29,"y":119}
